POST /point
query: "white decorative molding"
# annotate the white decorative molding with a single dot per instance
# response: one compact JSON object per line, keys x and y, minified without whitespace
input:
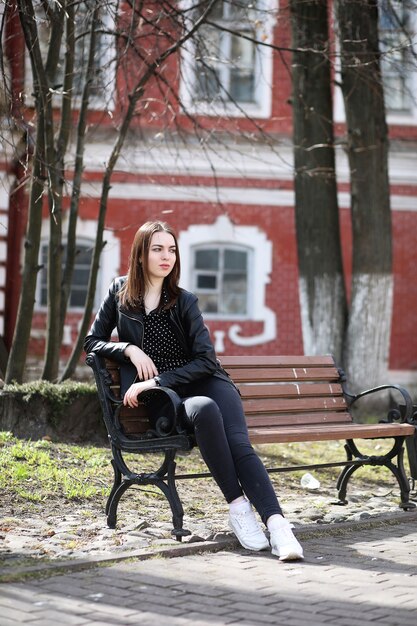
{"x":224,"y":231}
{"x":219,"y":336}
{"x":238,"y":162}
{"x":67,"y":335}
{"x":269,"y":332}
{"x":246,"y":196}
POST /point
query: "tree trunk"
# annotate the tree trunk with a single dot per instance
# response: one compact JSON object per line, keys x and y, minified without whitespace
{"x":63,"y":16}
{"x":18,"y":351}
{"x":321,"y":283}
{"x":78,"y":166}
{"x":17,"y":357}
{"x":368,"y":331}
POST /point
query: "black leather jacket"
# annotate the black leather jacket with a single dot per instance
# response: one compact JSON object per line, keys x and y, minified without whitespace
{"x":187,"y":323}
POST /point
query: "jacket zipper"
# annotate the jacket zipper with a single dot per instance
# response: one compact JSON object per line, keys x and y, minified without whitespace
{"x":139,"y":322}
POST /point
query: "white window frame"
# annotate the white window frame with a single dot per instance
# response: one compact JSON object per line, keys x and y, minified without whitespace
{"x":262,"y":106}
{"x":249,"y":277}
{"x":406,"y":118}
{"x":108,"y":63}
{"x":250,"y":237}
{"x":109,"y":260}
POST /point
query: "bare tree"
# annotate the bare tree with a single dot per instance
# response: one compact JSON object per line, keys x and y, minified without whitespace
{"x":322,"y":290}
{"x":368,"y":331}
{"x":17,"y":357}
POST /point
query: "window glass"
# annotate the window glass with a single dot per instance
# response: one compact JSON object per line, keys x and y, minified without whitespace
{"x":395,"y":34}
{"x":83,"y":18}
{"x":221,"y":279}
{"x":235,"y":259}
{"x":242,"y":70}
{"x":206,"y":282}
{"x":207,"y":259}
{"x":79,"y":279}
{"x":208,"y":303}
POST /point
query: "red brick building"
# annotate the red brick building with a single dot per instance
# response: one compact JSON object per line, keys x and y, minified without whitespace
{"x":236,"y":228}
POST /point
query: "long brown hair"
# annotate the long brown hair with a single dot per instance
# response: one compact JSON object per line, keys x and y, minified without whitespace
{"x":133,"y":291}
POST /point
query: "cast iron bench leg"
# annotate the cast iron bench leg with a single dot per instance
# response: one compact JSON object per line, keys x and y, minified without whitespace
{"x":114,"y":501}
{"x":169,"y":489}
{"x":116,"y":484}
{"x":385,"y":460}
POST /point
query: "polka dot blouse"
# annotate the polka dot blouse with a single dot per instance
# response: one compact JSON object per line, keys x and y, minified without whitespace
{"x":160,"y":342}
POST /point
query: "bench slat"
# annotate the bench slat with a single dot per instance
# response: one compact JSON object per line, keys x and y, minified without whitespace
{"x":301,"y":420}
{"x":290,"y":390}
{"x":332,"y":433}
{"x":276,"y":361}
{"x":286,"y":405}
{"x":275,"y":374}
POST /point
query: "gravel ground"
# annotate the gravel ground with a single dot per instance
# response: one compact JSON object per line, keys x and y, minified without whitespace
{"x":61,"y":530}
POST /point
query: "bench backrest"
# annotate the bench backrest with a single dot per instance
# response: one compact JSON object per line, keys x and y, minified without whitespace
{"x":283,"y":391}
{"x":277,"y":391}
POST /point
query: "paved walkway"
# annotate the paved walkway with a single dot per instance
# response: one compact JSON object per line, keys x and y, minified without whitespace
{"x":363,"y":573}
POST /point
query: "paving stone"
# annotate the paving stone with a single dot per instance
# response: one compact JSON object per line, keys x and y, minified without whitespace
{"x":237,"y":587}
{"x":44,"y":618}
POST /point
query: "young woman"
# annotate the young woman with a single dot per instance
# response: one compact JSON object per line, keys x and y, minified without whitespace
{"x":163,"y":341}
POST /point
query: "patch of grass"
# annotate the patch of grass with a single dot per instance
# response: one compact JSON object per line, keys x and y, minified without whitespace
{"x":20,"y":472}
{"x":5,"y":436}
{"x":39,"y":471}
{"x":31,"y":496}
{"x":53,"y":476}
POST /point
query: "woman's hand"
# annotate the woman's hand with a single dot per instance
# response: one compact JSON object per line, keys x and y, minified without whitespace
{"x":145,"y":367}
{"x":131,"y":395}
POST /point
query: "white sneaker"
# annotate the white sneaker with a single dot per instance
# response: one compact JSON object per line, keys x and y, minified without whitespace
{"x":284,"y":544}
{"x":247,"y":529}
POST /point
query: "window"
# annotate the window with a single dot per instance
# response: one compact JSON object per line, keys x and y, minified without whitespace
{"x":224,"y":70}
{"x":79,"y":279}
{"x":109,"y":262}
{"x":397,"y":60}
{"x":221,"y":280}
{"x":223,"y":260}
{"x":225,"y":62}
{"x":104,"y":57}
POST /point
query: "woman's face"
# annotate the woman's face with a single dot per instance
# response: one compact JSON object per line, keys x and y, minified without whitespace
{"x":162,"y":256}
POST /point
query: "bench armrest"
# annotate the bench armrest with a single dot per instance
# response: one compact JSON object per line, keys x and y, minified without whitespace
{"x":164,"y":424}
{"x":405,"y":412}
{"x":168,"y":422}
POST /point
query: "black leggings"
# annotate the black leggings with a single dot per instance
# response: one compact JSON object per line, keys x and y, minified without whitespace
{"x":214,"y":411}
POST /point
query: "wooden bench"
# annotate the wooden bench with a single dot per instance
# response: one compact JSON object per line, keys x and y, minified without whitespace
{"x":286,"y":399}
